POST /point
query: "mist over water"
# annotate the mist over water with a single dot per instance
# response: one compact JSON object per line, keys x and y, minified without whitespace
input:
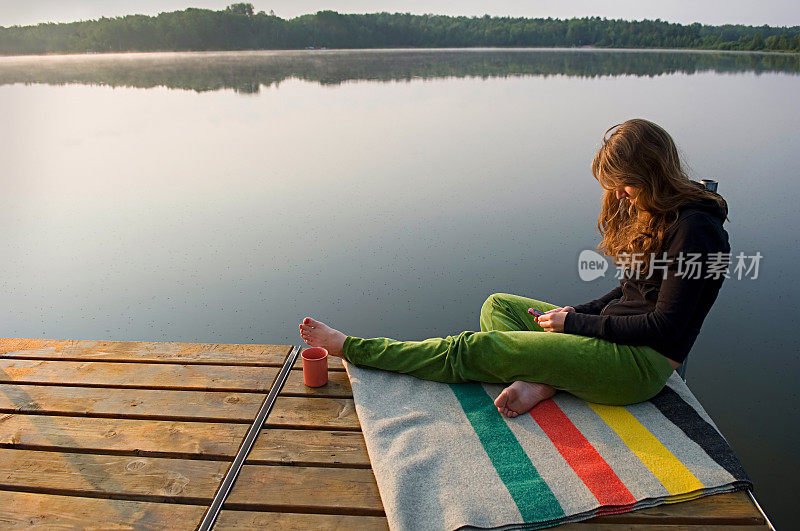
{"x":222,"y":197}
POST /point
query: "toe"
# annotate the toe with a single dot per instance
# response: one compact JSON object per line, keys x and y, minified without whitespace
{"x":501,"y":400}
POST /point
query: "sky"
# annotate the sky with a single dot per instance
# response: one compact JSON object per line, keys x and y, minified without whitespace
{"x":750,"y":12}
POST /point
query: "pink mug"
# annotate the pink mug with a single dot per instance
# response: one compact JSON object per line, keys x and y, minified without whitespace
{"x":315,"y":366}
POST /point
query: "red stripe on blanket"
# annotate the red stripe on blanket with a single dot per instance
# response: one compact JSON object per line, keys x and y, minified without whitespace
{"x":581,"y":456}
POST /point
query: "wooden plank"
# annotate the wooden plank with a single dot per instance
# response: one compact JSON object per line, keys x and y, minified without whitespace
{"x":209,"y":406}
{"x":306,"y":489}
{"x":28,"y":510}
{"x":160,"y":376}
{"x":298,"y":521}
{"x":138,"y":375}
{"x":193,"y":481}
{"x":122,"y":436}
{"x":733,"y":508}
{"x":310,"y":448}
{"x":153,"y":352}
{"x":124,"y":477}
{"x":131,"y":403}
{"x":150,"y":352}
{"x":338,"y":386}
{"x":157,"y":438}
{"x":314,"y":412}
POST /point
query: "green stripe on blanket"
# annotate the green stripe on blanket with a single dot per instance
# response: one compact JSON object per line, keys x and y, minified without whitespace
{"x":533,"y":497}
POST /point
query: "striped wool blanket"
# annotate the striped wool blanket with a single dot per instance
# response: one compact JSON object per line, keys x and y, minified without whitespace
{"x":444,"y":458}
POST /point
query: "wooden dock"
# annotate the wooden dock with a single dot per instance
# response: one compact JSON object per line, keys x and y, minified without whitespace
{"x":140,"y":435}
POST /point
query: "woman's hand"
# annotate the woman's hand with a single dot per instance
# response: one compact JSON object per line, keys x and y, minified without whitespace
{"x":553,"y":320}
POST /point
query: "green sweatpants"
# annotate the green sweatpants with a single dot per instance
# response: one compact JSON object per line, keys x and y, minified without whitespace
{"x":512,"y":346}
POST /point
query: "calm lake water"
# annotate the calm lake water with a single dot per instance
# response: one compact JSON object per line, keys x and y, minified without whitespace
{"x":221,"y":197}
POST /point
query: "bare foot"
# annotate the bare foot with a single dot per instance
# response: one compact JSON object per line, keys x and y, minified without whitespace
{"x":318,"y":334}
{"x":520,"y":397}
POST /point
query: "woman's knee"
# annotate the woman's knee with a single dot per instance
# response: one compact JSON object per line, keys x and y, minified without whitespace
{"x":491,"y":305}
{"x":495,"y":298}
{"x":476,"y":356}
{"x":495,"y":301}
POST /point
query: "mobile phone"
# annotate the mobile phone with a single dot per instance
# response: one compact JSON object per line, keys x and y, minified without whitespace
{"x":535,"y":312}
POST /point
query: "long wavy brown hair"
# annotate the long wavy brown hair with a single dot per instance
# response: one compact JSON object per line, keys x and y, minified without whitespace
{"x":640,"y":153}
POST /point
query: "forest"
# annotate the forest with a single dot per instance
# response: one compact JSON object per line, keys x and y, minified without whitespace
{"x":239,"y":27}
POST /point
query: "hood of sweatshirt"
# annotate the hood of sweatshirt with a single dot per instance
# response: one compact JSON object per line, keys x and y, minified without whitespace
{"x":706,"y":205}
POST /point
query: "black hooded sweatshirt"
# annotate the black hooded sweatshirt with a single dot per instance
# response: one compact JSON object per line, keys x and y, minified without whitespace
{"x":665,"y":311}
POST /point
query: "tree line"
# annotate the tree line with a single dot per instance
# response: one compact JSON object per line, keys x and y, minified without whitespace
{"x":239,"y":27}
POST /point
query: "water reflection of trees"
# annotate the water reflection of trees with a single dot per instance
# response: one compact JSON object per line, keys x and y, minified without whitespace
{"x":247,"y":72}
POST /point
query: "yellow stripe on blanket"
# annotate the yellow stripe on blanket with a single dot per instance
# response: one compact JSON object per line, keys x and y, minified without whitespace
{"x":675,"y":477}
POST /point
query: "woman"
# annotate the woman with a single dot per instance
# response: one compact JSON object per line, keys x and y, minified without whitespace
{"x":665,"y":233}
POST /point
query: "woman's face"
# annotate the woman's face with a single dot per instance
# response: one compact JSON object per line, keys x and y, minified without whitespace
{"x":628,"y":191}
